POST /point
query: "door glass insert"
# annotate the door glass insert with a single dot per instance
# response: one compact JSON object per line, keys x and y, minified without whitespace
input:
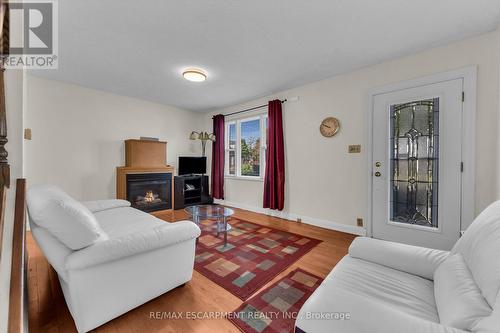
{"x":414,"y":162}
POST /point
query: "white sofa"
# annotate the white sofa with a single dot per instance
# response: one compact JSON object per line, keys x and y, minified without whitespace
{"x":110,"y":258}
{"x":384,"y":287}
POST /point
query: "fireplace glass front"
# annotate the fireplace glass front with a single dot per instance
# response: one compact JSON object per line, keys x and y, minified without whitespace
{"x":150,"y":192}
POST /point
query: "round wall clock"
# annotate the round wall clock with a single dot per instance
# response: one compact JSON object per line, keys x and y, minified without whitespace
{"x":329,"y":127}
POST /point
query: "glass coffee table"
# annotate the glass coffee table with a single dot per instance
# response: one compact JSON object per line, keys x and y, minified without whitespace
{"x":218,"y":213}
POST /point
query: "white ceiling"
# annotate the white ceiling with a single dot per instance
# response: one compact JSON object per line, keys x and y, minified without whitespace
{"x":249,"y":48}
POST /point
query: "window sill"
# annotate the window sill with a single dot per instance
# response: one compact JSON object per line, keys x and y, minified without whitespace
{"x":253,"y":179}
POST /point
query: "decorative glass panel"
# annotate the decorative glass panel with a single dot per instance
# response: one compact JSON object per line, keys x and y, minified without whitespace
{"x":414,"y":162}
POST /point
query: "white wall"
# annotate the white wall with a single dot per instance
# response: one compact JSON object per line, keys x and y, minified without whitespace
{"x":498,"y":112}
{"x":79,"y":133}
{"x":14,"y":107}
{"x":326,"y":185}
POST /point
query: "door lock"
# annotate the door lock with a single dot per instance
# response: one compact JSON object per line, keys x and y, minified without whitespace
{"x":378,"y":164}
{"x":378,"y":174}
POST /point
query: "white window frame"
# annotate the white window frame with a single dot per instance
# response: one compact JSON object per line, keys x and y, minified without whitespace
{"x":227,"y":150}
{"x":263,"y":146}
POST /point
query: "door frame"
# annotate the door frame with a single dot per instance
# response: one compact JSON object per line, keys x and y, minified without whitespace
{"x":469,"y":77}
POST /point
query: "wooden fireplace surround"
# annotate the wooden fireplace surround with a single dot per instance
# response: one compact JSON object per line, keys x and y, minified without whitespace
{"x":143,"y":156}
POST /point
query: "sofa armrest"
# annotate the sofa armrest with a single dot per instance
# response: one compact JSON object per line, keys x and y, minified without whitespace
{"x":100,"y":205}
{"x":129,"y":245}
{"x":415,"y":260}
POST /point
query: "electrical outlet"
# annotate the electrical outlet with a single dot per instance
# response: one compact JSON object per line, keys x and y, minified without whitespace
{"x":359,"y":222}
{"x":299,"y":220}
{"x":27,"y":133}
{"x":354,"y":149}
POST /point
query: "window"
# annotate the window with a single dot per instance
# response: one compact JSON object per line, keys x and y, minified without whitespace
{"x":246,"y":147}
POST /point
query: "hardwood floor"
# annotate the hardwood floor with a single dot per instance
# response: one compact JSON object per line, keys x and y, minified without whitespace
{"x":48,"y":311}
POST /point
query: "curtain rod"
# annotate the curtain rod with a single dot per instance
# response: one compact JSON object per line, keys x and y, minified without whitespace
{"x":250,"y":109}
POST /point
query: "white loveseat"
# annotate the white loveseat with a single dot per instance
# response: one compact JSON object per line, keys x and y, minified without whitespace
{"x":110,"y":258}
{"x":384,"y":287}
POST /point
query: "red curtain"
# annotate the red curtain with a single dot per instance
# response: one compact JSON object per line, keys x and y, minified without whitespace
{"x":218,"y":158}
{"x":274,"y":180}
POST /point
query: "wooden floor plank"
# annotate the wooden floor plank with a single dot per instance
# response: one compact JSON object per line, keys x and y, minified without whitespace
{"x":48,"y":311}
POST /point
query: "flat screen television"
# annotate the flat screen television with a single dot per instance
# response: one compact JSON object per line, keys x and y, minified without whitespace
{"x":192,"y":165}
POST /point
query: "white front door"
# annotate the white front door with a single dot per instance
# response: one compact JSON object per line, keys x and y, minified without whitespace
{"x":417,"y":163}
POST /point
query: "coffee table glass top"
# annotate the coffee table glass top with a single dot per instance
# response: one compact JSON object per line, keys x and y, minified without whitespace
{"x":209,"y":211}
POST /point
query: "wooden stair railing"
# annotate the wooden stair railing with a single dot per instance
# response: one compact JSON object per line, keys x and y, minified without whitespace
{"x":4,"y":164}
{"x":18,"y":270}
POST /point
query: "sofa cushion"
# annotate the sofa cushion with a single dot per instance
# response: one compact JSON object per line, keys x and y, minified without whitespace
{"x":62,"y":216}
{"x":123,"y":221}
{"x":480,"y":247}
{"x":458,"y":299}
{"x":376,"y":298}
{"x":393,"y":288}
{"x":100,"y":205}
{"x":365,"y":315}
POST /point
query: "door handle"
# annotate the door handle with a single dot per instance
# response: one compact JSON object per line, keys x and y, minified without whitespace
{"x":378,"y":174}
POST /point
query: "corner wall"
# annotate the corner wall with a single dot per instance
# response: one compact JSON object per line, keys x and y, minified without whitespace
{"x":327,"y":186}
{"x":78,"y":135}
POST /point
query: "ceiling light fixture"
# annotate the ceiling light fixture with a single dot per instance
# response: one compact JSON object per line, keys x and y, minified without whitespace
{"x":194,"y":75}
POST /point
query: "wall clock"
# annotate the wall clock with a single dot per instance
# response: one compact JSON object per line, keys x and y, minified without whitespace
{"x":329,"y":127}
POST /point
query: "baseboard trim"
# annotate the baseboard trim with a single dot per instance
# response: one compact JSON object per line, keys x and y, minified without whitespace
{"x":350,"y":229}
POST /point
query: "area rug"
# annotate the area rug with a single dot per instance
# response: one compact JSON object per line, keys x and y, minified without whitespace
{"x":275,"y":309}
{"x":253,"y":256}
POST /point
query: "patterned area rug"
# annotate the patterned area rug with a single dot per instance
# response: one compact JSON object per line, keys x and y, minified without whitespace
{"x":253,"y":256}
{"x":275,"y":309}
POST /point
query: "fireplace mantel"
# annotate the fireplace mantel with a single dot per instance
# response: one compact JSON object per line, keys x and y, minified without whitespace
{"x":145,"y":153}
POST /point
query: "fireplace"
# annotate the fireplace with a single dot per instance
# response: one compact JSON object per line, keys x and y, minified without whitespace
{"x":146,"y":180}
{"x":150,"y":192}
